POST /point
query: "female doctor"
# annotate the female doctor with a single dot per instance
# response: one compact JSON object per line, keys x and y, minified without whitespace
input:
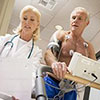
{"x":22,"y":44}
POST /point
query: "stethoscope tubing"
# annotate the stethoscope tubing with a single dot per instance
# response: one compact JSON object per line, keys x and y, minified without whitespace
{"x":12,"y":44}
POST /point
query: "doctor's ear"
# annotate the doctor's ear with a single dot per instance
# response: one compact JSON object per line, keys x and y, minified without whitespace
{"x":38,"y":25}
{"x":88,"y":22}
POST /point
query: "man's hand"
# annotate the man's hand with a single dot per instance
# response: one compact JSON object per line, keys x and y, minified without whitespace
{"x":59,"y":69}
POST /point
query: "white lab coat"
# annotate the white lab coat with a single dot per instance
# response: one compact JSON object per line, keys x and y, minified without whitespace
{"x":22,"y":52}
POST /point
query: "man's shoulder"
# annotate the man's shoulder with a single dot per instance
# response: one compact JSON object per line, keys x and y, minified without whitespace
{"x":61,"y":34}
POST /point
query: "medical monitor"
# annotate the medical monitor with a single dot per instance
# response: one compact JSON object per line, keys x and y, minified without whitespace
{"x":85,"y":67}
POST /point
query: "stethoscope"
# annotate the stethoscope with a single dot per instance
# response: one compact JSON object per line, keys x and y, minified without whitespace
{"x":12,"y":44}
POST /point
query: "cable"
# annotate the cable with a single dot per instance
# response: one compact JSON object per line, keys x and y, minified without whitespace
{"x":88,"y":83}
{"x":94,"y":75}
{"x":52,"y":86}
{"x":61,"y":93}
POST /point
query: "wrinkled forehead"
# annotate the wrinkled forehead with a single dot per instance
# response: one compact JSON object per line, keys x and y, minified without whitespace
{"x":79,"y":13}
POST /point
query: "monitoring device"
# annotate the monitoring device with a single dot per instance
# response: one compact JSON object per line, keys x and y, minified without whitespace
{"x":85,"y":67}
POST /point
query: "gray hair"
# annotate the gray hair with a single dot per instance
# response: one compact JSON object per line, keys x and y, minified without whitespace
{"x":36,"y":33}
{"x":81,"y":9}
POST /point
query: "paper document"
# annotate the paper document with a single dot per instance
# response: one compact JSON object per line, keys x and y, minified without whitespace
{"x":16,"y":78}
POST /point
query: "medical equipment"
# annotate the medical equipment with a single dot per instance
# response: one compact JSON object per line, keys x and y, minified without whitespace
{"x":40,"y":92}
{"x":85,"y":71}
{"x":84,"y":67}
{"x":12,"y":44}
{"x":40,"y":86}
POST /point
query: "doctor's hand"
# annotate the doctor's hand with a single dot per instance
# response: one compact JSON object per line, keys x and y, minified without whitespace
{"x":59,"y":69}
{"x":13,"y":98}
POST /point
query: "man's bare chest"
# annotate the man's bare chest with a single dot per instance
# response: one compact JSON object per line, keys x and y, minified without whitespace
{"x":70,"y":46}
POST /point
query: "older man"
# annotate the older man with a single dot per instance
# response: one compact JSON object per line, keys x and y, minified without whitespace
{"x":62,"y":46}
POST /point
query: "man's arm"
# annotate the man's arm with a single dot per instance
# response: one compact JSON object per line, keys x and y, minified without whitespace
{"x":53,"y":47}
{"x":49,"y":57}
{"x":59,"y":68}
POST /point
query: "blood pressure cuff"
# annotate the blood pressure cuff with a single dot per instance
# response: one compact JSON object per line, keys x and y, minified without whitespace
{"x":55,"y":47}
{"x":54,"y":44}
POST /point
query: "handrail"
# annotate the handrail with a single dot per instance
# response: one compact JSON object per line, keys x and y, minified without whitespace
{"x":40,"y":86}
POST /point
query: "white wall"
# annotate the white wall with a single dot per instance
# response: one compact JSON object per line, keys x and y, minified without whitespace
{"x":94,"y":94}
{"x":6,"y":7}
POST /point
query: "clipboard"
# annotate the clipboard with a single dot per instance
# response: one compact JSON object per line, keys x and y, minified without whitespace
{"x":16,"y":77}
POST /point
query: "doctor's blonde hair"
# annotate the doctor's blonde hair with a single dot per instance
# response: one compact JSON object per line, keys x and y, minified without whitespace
{"x":36,"y":33}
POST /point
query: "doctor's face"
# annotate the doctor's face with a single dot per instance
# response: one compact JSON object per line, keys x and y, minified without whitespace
{"x":29,"y":22}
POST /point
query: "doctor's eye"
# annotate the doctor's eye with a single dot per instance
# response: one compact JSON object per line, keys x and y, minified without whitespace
{"x":32,"y":19}
{"x":25,"y":18}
